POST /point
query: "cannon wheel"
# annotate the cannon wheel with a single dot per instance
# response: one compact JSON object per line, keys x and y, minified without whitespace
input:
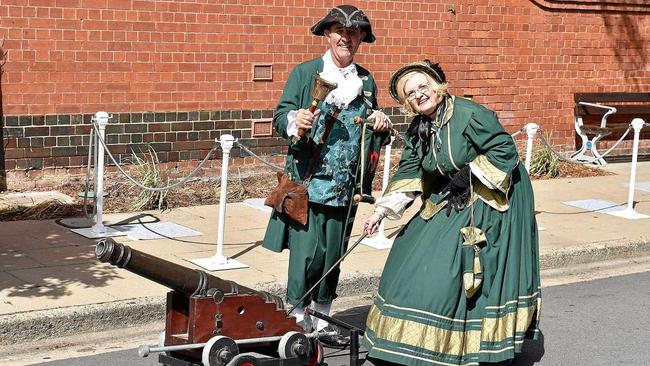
{"x":244,"y":359}
{"x":293,"y":344}
{"x":218,"y":351}
{"x":316,"y":357}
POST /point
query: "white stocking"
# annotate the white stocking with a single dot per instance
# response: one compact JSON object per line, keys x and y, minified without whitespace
{"x":324,"y":309}
{"x":299,"y":313}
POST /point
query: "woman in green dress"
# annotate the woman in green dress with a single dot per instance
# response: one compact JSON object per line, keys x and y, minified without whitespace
{"x":461,"y":283}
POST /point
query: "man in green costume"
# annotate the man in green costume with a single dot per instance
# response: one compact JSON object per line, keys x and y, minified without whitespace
{"x":346,"y":162}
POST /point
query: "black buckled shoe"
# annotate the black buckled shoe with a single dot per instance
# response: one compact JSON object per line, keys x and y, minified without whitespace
{"x":331,"y":337}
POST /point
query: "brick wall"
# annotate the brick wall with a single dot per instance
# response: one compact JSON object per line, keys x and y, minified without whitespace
{"x":179,"y":73}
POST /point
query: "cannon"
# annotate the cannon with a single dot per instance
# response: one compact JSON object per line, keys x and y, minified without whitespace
{"x":215,"y":322}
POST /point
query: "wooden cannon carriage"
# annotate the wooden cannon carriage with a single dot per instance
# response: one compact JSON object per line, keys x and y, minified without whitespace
{"x":214,"y":322}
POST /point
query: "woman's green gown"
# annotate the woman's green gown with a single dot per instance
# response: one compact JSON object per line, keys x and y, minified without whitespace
{"x":437,"y":303}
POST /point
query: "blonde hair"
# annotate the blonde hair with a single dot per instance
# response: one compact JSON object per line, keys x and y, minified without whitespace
{"x":440,"y":89}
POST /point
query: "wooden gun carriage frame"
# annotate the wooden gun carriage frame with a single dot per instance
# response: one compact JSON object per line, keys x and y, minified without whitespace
{"x":214,"y":322}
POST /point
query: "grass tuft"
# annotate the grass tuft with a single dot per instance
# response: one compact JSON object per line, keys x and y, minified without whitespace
{"x":147,"y":171}
{"x":543,"y":162}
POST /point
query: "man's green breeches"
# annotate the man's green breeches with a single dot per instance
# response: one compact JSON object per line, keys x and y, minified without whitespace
{"x":313,"y":251}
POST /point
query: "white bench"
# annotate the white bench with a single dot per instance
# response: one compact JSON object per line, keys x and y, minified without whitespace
{"x":596,"y":109}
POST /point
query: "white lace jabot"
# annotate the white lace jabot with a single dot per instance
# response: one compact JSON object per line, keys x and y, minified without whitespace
{"x":349,"y":87}
{"x":347,"y":79}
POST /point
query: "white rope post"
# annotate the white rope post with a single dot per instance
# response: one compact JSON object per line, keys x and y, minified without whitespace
{"x":219,"y":261}
{"x":531,"y":130}
{"x":101,"y":120}
{"x":226,"y":145}
{"x":380,"y":241}
{"x":97,"y":228}
{"x":629,"y":212}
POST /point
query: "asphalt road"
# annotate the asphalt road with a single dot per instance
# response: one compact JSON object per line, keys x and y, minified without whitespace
{"x":602,"y":322}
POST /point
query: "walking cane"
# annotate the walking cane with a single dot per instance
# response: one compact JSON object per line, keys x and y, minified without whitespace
{"x":358,"y":120}
{"x":324,"y":88}
{"x":327,"y":273}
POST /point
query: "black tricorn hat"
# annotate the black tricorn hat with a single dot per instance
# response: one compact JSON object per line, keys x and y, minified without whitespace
{"x":432,"y":69}
{"x":350,"y":17}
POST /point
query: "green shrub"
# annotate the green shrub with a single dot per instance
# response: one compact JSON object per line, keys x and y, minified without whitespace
{"x":543,"y":162}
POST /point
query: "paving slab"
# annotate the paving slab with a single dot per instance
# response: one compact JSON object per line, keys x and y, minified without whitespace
{"x":16,"y":260}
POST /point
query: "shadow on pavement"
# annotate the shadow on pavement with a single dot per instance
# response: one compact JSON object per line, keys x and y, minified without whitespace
{"x":42,"y":259}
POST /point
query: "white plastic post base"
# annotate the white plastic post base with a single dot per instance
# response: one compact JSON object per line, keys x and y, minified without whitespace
{"x":218,"y":263}
{"x":629,"y":213}
{"x":378,"y":241}
{"x":90,"y":233}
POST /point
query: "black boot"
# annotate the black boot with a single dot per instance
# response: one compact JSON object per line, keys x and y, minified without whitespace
{"x":331,"y":337}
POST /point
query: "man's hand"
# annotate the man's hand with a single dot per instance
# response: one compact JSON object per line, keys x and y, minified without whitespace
{"x":382,"y":123}
{"x":371,"y":223}
{"x":305,"y":119}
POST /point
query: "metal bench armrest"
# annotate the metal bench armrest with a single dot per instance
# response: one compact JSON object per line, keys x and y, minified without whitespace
{"x":603,"y":121}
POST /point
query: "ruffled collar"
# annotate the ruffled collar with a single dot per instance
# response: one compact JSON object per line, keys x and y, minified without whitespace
{"x":329,"y":66}
{"x":349,"y":85}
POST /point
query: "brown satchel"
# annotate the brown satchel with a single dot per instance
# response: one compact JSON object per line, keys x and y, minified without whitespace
{"x":289,"y":197}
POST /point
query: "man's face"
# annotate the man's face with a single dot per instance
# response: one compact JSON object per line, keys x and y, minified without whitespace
{"x":344,"y":43}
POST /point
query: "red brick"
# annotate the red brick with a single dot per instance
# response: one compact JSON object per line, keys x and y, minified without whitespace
{"x":13,"y":154}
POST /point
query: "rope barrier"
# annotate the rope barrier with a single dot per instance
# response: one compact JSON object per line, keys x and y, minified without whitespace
{"x":159,"y":189}
{"x":514,"y":134}
{"x":87,"y":182}
{"x":262,"y":160}
{"x":269,"y":164}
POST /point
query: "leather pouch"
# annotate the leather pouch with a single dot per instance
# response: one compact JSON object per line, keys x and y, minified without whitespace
{"x":289,"y":198}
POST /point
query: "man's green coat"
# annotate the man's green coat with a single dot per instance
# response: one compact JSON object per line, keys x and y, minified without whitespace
{"x":297,"y":95}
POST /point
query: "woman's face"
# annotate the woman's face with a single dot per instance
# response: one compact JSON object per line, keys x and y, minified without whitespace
{"x":420,"y":95}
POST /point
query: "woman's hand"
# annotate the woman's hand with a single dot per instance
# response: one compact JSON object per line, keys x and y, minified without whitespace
{"x":457,"y":191}
{"x":371,"y":223}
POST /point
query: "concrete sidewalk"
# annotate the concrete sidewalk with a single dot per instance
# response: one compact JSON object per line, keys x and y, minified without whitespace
{"x":51,"y":284}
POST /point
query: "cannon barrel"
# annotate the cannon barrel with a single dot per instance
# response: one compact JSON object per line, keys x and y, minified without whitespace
{"x":182,"y":279}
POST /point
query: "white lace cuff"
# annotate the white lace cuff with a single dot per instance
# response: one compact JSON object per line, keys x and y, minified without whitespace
{"x":292,"y":128}
{"x":394,"y":204}
{"x":476,"y":170}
